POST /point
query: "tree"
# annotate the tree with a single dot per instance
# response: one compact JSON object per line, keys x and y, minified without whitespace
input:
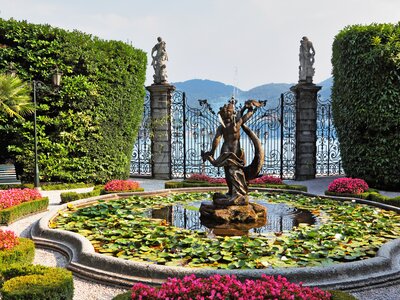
{"x":15,"y":98}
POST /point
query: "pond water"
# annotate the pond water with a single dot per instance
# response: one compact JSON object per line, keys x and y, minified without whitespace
{"x":280,"y":217}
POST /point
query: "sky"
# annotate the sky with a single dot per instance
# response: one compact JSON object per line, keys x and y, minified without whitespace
{"x":245,"y":43}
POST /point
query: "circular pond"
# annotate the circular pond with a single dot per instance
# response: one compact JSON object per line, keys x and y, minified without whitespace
{"x":124,"y":238}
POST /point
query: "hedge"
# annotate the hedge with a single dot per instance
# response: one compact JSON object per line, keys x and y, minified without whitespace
{"x":369,"y":195}
{"x":87,"y":128}
{"x":187,"y":183}
{"x":36,"y":283}
{"x":11,"y":214}
{"x":64,"y":186}
{"x":72,"y":196}
{"x":366,"y":102}
{"x":23,"y":253}
{"x":16,"y":186}
{"x":97,"y":191}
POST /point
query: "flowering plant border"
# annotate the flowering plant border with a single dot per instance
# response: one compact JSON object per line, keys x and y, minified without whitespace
{"x":347,"y":185}
{"x":228,"y":287}
{"x":120,"y":185}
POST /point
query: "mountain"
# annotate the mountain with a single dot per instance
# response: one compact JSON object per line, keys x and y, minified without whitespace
{"x":218,"y":93}
{"x":213,"y":91}
{"x":325,"y":91}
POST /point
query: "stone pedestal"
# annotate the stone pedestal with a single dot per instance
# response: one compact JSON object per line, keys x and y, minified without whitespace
{"x":306,"y":130}
{"x":160,"y":105}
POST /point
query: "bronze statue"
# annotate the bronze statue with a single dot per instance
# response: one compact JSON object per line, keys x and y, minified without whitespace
{"x":232,"y":156}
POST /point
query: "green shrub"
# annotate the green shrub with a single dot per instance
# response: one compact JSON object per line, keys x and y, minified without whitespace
{"x":123,"y":296}
{"x":366,"y":102}
{"x":187,"y":183}
{"x":65,"y":186}
{"x":73,"y":196}
{"x":11,"y":214}
{"x":37,"y":283}
{"x":23,"y":253}
{"x":372,"y":195}
{"x":86,"y":131}
{"x":340,"y":295}
{"x":16,"y":186}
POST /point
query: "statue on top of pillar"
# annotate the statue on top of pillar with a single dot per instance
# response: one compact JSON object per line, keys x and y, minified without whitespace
{"x":160,"y":57}
{"x":306,"y":57}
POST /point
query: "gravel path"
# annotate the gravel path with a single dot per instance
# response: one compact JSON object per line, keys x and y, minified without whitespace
{"x":88,"y":290}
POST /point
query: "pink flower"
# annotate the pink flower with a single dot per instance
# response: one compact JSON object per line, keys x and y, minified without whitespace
{"x":12,"y":197}
{"x":348,"y":186}
{"x":228,"y":287}
{"x":259,"y":180}
{"x":266,"y":179}
{"x":8,"y":240}
{"x":121,"y":185}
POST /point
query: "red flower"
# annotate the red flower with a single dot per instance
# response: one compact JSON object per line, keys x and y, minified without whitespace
{"x":121,"y":185}
{"x":348,"y":186}
{"x":8,"y":240}
{"x":228,"y":287}
{"x":259,"y":180}
{"x":266,"y":179}
{"x":12,"y":197}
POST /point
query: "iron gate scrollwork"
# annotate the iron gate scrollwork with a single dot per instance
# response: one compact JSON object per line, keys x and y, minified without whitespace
{"x":328,"y":152}
{"x":141,"y":154}
{"x":193,"y":130}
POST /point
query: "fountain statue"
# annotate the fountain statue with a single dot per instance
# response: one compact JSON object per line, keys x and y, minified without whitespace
{"x":234,"y":207}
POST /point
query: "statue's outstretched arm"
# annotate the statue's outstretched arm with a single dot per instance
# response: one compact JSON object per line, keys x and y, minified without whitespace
{"x":214,"y":146}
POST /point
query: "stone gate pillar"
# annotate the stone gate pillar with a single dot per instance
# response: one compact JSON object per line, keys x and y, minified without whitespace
{"x":306,"y":130}
{"x":160,"y":106}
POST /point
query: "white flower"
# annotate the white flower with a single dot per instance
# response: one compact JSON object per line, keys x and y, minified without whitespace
{"x":284,"y":258}
{"x":338,"y":236}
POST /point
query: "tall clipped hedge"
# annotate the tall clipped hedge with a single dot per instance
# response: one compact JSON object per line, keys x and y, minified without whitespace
{"x":366,"y":102}
{"x":86,"y":129}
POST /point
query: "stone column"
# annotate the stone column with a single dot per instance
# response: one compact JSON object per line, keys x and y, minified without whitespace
{"x":306,"y":130}
{"x":160,"y":106}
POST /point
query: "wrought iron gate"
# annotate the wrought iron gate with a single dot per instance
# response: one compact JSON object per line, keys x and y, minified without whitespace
{"x":141,"y":154}
{"x":328,"y":153}
{"x":193,"y":129}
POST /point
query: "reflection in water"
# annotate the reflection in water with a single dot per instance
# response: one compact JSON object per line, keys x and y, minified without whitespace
{"x":280,"y":217}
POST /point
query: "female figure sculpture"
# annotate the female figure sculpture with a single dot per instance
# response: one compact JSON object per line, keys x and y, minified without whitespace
{"x":232,"y":156}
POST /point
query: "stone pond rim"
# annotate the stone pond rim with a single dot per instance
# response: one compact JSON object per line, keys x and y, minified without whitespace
{"x":380,"y":270}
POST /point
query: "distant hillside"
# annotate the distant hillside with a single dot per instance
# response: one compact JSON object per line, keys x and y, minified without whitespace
{"x":325,"y":91}
{"x":218,"y":93}
{"x":213,"y":91}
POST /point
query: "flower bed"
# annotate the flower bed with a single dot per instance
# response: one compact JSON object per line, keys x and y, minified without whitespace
{"x":113,"y":186}
{"x":122,"y":228}
{"x":357,"y":188}
{"x":259,"y":180}
{"x":17,"y":203}
{"x":14,"y":249}
{"x":228,"y":287}
{"x":202,"y":180}
{"x":8,"y":239}
{"x":348,"y":186}
{"x":121,"y":186}
{"x":21,"y":280}
{"x":12,"y":197}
